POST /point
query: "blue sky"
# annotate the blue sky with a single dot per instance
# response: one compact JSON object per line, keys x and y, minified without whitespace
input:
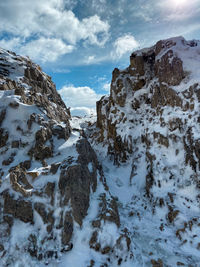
{"x":80,"y":42}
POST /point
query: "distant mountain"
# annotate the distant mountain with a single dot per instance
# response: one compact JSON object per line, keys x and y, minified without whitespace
{"x":120,"y":191}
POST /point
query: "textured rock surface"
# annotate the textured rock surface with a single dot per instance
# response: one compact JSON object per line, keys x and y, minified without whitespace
{"x":48,"y":173}
{"x":147,"y":83}
{"x":149,"y":127}
{"x":75,"y":181}
{"x":32,"y":117}
{"x":34,"y":127}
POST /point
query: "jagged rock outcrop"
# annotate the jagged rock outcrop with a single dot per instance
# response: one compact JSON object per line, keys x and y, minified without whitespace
{"x":47,"y":172}
{"x":147,"y":83}
{"x":75,"y":181}
{"x":32,"y":118}
{"x":150,"y":123}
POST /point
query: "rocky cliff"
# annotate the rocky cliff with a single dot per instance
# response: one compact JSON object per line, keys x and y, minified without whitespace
{"x":48,"y":171}
{"x":150,"y":123}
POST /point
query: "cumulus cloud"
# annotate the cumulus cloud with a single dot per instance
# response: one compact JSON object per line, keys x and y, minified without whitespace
{"x":95,"y":30}
{"x":46,"y":49}
{"x":81,"y":100}
{"x":124,"y":44}
{"x":10,"y":44}
{"x":42,"y":49}
{"x":46,"y":22}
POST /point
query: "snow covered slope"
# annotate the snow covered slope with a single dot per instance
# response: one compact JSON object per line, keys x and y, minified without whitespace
{"x":150,"y":128}
{"x":47,"y":170}
{"x":55,"y":205}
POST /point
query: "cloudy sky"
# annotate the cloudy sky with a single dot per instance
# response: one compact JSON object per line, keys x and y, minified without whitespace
{"x":79,"y":42}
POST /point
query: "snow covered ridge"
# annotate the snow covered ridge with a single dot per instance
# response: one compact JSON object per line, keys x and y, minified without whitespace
{"x":55,"y":205}
{"x":149,"y":126}
{"x":165,"y":75}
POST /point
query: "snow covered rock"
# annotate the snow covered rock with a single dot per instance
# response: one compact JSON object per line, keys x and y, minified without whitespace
{"x":149,"y":127}
{"x":47,"y":171}
{"x":123,"y":191}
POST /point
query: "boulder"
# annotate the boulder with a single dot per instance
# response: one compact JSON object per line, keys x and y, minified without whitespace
{"x":19,"y":209}
{"x":3,"y":137}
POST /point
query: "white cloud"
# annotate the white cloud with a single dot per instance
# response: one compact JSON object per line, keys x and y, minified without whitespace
{"x":90,"y":60}
{"x":95,"y":30}
{"x":49,"y":22}
{"x":124,"y":44}
{"x":40,"y":50}
{"x":94,"y":59}
{"x":46,"y":49}
{"x":82,"y":111}
{"x":80,"y":99}
{"x":10,"y":44}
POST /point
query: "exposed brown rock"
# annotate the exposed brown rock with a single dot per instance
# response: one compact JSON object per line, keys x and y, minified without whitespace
{"x":40,"y":151}
{"x":2,"y":116}
{"x":172,"y":214}
{"x":61,"y":132}
{"x":108,"y":211}
{"x":165,"y":96}
{"x":40,"y":208}
{"x":31,"y":120}
{"x":26,"y":164}
{"x":50,"y":191}
{"x":8,"y":161}
{"x":76,"y":180}
{"x":14,"y":104}
{"x":161,"y":139}
{"x":19,"y":181}
{"x":169,"y":69}
{"x":100,"y":117}
{"x":74,"y":184}
{"x":157,"y":263}
{"x":175,"y":123}
{"x":15,"y":144}
{"x":141,"y":63}
{"x":67,"y":230}
{"x":19,"y":209}
{"x":137,"y":63}
{"x":54,"y":167}
{"x":33,"y":174}
{"x":3,"y":137}
{"x":93,"y":241}
{"x":42,"y":84}
{"x":36,"y":142}
{"x":160,"y":45}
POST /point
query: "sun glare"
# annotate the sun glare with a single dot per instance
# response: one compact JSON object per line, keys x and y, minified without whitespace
{"x":180,"y":2}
